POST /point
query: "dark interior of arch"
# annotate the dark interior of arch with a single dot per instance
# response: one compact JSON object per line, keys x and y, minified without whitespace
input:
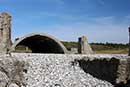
{"x":41,"y":44}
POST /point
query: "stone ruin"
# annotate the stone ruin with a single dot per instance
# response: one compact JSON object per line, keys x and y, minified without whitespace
{"x":5,"y":32}
{"x":83,"y":46}
{"x":54,"y":66}
{"x":37,"y":42}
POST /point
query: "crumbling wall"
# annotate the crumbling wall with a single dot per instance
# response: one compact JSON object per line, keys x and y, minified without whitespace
{"x":105,"y":69}
{"x":113,"y":70}
{"x":83,"y":46}
{"x":12,"y":72}
{"x":5,"y":32}
{"x":58,"y":70}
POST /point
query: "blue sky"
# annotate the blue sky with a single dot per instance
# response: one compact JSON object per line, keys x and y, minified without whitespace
{"x":99,"y":20}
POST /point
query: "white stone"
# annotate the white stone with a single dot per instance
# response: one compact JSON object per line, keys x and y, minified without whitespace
{"x":3,"y":79}
{"x":13,"y":85}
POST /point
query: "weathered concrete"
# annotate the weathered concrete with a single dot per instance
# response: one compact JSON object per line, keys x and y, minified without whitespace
{"x":73,"y":51}
{"x":83,"y":46}
{"x":41,"y":43}
{"x":57,"y":70}
{"x":129,"y":40}
{"x":5,"y":32}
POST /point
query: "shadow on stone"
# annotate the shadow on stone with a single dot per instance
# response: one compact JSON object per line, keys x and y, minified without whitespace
{"x":101,"y":68}
{"x":123,"y":85}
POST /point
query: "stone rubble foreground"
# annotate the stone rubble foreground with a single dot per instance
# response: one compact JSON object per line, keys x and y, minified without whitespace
{"x":45,"y":71}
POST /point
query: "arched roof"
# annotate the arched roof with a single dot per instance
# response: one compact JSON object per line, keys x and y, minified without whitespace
{"x":56,"y":41}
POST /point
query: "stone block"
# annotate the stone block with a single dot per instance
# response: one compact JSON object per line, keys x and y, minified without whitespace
{"x":83,"y":46}
{"x":5,"y":32}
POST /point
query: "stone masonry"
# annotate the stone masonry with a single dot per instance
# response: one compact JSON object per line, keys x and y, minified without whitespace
{"x":83,"y":46}
{"x":43,"y":42}
{"x":59,"y":70}
{"x":129,"y":40}
{"x":5,"y":32}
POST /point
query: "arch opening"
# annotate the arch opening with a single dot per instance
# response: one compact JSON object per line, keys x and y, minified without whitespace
{"x":38,"y":43}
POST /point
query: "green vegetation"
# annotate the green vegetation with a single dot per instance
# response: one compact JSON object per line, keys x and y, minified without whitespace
{"x":22,"y":48}
{"x":106,"y":48}
{"x":70,"y":45}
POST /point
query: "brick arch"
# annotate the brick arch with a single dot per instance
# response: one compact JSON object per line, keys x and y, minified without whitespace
{"x":40,"y":43}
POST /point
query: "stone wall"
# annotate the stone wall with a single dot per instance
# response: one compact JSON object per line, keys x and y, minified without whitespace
{"x":83,"y":46}
{"x":5,"y":32}
{"x":58,"y":70}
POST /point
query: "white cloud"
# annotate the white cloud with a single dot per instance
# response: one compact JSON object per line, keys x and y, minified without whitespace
{"x":102,"y":2}
{"x":105,"y":31}
{"x":62,"y":16}
{"x":100,"y":29}
{"x":56,"y":1}
{"x":104,"y":20}
{"x":128,"y":16}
